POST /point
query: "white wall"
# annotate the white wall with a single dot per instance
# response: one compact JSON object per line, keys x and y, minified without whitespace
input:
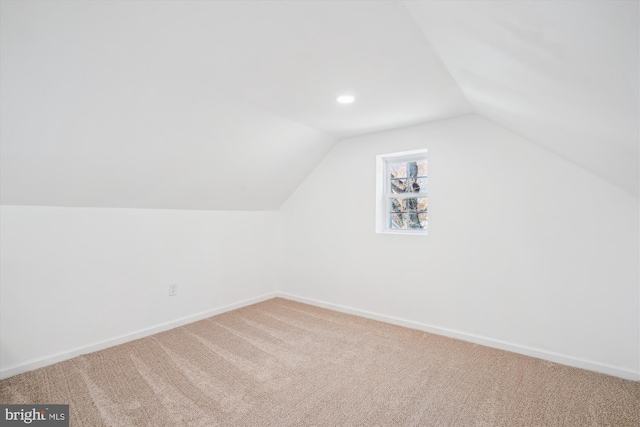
{"x":525,"y":250}
{"x":73,"y":278}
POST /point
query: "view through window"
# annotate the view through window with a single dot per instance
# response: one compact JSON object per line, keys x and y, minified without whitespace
{"x":402,"y":193}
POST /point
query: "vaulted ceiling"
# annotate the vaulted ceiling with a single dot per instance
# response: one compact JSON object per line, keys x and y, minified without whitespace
{"x":229,"y":105}
{"x":564,"y":74}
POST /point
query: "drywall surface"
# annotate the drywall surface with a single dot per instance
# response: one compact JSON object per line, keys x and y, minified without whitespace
{"x":563,"y":74}
{"x":74,"y":277}
{"x":194,"y":104}
{"x":523,"y":247}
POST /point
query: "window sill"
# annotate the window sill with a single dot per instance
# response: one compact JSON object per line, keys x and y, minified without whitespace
{"x":403,"y":232}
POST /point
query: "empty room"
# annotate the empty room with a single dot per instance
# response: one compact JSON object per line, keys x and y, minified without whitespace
{"x":319,"y":213}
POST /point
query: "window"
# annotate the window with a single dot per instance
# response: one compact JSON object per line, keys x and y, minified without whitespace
{"x":401,"y":193}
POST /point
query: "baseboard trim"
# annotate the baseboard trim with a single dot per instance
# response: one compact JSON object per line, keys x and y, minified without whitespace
{"x":476,"y":339}
{"x":141,"y":333}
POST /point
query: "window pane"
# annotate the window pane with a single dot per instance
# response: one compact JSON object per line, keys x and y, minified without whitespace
{"x":412,"y":169}
{"x":398,"y":205}
{"x":398,"y":170}
{"x":418,"y":185}
{"x":422,"y":168}
{"x":398,"y":221}
{"x":411,"y":204}
{"x":422,"y":204}
{"x":413,"y":220}
{"x":398,"y":186}
{"x":422,"y":217}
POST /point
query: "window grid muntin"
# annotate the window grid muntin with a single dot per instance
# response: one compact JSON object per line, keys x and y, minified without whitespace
{"x":389,"y":195}
{"x":385,"y":163}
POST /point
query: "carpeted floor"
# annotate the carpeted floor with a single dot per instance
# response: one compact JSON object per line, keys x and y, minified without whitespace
{"x":282,"y":363}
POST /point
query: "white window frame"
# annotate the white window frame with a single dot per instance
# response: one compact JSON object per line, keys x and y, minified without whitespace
{"x":384,"y":195}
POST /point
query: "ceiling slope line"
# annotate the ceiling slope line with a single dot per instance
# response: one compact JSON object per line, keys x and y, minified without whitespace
{"x":560,"y":156}
{"x":568,"y":148}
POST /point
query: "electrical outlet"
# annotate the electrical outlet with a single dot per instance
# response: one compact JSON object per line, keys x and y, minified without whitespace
{"x":173,"y":289}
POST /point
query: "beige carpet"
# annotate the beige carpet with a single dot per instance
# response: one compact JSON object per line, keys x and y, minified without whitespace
{"x":282,"y":363}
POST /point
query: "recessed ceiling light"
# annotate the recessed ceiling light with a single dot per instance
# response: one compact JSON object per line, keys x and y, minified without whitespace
{"x":346,"y":99}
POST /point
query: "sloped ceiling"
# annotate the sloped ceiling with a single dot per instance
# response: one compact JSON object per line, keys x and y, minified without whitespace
{"x":200,"y":105}
{"x":230,"y":104}
{"x":564,"y":74}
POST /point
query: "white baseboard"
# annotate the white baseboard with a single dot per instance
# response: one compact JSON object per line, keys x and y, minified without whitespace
{"x":477,"y":339}
{"x":66,"y":355}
